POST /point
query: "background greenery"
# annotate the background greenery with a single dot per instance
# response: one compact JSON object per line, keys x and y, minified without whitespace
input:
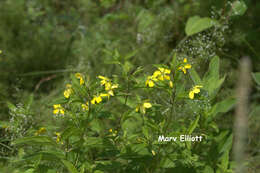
{"x":44,"y":41}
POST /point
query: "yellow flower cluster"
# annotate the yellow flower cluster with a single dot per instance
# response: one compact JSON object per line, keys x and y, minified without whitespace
{"x":58,"y":109}
{"x":68,"y":91}
{"x":58,"y":137}
{"x":85,"y":106}
{"x":194,"y":90}
{"x":142,"y":107}
{"x":80,"y":77}
{"x":40,"y":131}
{"x":109,"y":87}
{"x":160,"y":74}
{"x":185,"y":66}
{"x":114,"y":133}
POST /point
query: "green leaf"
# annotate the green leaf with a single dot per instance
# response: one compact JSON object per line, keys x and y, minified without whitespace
{"x":222,"y":107}
{"x":213,"y":71}
{"x":35,"y":140}
{"x":69,"y":166}
{"x":224,"y":161}
{"x":45,"y":155}
{"x":31,"y":170}
{"x":256,"y":77}
{"x":227,"y":145}
{"x":238,"y":8}
{"x":208,"y":169}
{"x":197,"y":24}
{"x":193,"y":125}
{"x":195,"y":77}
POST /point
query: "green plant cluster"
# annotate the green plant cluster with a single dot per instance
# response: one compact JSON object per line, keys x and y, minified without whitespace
{"x":90,"y":85}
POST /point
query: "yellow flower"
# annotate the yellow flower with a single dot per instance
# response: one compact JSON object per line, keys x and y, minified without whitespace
{"x":80,"y":77}
{"x":58,"y":109}
{"x":194,"y":90}
{"x":104,"y":80}
{"x":171,"y":84}
{"x":153,"y":152}
{"x":185,"y":66}
{"x":108,"y":85}
{"x":162,"y":74}
{"x":84,"y":106}
{"x":150,"y":81}
{"x":68,"y":91}
{"x":58,"y":137}
{"x":40,"y":131}
{"x":105,"y":94}
{"x":110,"y":130}
{"x":1,"y":51}
{"x":145,"y":105}
{"x":96,"y":99}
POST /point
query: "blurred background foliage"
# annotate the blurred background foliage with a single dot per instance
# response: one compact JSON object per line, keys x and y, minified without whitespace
{"x":43,"y":41}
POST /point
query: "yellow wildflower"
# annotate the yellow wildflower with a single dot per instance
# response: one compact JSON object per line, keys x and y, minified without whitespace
{"x":80,"y":77}
{"x":58,"y":109}
{"x":110,"y":130}
{"x":68,"y":91}
{"x":162,"y":74}
{"x":185,"y":66}
{"x":150,"y":81}
{"x":96,"y":99}
{"x":171,"y":84}
{"x":108,"y":85}
{"x":142,"y":108}
{"x":1,"y":51}
{"x":104,"y":80}
{"x":40,"y":131}
{"x":194,"y":90}
{"x":58,"y":137}
{"x":84,"y":106}
{"x":153,"y":152}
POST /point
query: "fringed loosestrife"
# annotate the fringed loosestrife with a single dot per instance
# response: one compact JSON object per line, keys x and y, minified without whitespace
{"x":40,"y":131}
{"x":185,"y":66}
{"x":68,"y":91}
{"x":109,"y":86}
{"x":142,"y":107}
{"x":80,"y":77}
{"x":85,"y":106}
{"x":194,"y":90}
{"x":58,"y":138}
{"x":58,"y":109}
{"x":160,"y":74}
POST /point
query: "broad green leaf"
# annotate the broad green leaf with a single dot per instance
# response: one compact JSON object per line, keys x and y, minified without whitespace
{"x":193,"y":125}
{"x":69,"y":166}
{"x":224,"y":161}
{"x":45,"y":155}
{"x":238,"y":8}
{"x":31,"y":170}
{"x":195,"y":77}
{"x":213,"y":71}
{"x":70,"y":131}
{"x":256,"y":77}
{"x":35,"y":140}
{"x":197,"y":24}
{"x":29,"y":101}
{"x":222,"y":107}
{"x":208,"y":169}
{"x":227,"y":145}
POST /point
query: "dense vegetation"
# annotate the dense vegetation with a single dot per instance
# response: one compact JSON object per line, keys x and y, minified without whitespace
{"x":90,"y":85}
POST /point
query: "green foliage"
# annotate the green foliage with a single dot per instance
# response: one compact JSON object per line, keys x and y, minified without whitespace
{"x":167,"y":72}
{"x":196,"y":24}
